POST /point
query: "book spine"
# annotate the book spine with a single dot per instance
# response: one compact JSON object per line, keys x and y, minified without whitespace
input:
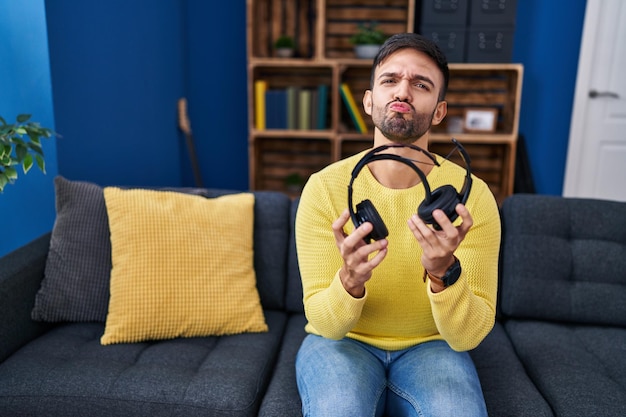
{"x":292,"y":107}
{"x":276,"y":109}
{"x":260,"y":86}
{"x":322,"y":106}
{"x":304,"y":107}
{"x":348,"y":99}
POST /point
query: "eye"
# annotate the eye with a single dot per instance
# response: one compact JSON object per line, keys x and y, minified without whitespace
{"x":421,"y":85}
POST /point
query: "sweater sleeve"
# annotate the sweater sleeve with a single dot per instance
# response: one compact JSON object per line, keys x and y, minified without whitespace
{"x":465,"y":312}
{"x":331,"y":311}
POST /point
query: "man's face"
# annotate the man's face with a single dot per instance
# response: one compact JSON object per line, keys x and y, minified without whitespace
{"x":404,"y":100}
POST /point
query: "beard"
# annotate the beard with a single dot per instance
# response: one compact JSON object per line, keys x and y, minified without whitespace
{"x":402,"y":127}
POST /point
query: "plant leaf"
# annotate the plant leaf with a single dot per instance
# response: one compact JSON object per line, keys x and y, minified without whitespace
{"x":3,"y":181}
{"x":10,"y":173}
{"x":41,"y":163}
{"x":20,"y":152}
{"x":27,"y":163}
{"x":22,"y":118}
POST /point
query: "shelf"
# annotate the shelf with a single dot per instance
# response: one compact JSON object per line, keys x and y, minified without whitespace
{"x":324,"y":56}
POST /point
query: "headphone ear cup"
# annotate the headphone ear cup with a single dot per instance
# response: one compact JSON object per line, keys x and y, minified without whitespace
{"x":444,"y":198}
{"x":366,"y":212}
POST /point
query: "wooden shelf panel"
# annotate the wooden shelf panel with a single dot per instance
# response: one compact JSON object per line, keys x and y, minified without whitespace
{"x":304,"y":76}
{"x":273,"y":18}
{"x":482,"y":86}
{"x":488,"y":162}
{"x":342,"y":18}
{"x":325,"y":57}
{"x":276,"y":159}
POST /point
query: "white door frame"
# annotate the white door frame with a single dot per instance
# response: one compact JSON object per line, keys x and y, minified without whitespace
{"x":576,"y":181}
{"x":581,"y":100}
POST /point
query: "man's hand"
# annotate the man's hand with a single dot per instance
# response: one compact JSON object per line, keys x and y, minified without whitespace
{"x":439,"y":245}
{"x":357,"y":266}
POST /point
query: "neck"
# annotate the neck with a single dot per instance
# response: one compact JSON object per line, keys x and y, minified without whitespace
{"x":393,"y":174}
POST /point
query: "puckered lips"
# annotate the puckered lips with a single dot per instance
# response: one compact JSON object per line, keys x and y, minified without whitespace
{"x":400,"y":107}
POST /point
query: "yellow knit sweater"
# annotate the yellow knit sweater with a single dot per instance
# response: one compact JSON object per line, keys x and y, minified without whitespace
{"x":398,"y":309}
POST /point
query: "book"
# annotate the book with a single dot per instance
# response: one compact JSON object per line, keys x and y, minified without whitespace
{"x":260,"y":86}
{"x":348,"y":99}
{"x":322,"y":106}
{"x":276,"y":109}
{"x":292,"y":107}
{"x":304,"y":109}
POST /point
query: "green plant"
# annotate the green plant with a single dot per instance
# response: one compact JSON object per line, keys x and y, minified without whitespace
{"x":20,"y":144}
{"x":284,"y":41}
{"x":294,"y":181}
{"x":368,"y":34}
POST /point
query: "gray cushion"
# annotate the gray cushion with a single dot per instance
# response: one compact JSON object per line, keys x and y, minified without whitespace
{"x":580,"y":370}
{"x":67,"y":372}
{"x":78,"y":267}
{"x":564,"y":259}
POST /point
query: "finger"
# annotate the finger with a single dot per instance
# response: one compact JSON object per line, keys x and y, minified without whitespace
{"x":444,"y":222}
{"x":357,"y":238}
{"x":468,"y":221}
{"x":338,"y":226}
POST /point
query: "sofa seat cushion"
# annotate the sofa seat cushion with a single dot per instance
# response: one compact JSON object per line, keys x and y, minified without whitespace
{"x":506,"y":386}
{"x":282,"y":397}
{"x":68,"y":372}
{"x":580,"y":369}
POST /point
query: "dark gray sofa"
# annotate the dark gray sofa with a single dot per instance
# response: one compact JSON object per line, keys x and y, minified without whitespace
{"x":559,"y":347}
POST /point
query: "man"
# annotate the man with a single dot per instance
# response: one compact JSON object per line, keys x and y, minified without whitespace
{"x":391,"y":321}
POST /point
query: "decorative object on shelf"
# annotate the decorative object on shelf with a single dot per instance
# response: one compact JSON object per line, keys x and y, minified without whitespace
{"x":294,"y":183}
{"x":20,"y":144}
{"x":367,"y":40}
{"x":480,"y":120}
{"x":284,"y":46}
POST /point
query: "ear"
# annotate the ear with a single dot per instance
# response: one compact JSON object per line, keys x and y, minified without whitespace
{"x":440,"y":112}
{"x":367,"y":102}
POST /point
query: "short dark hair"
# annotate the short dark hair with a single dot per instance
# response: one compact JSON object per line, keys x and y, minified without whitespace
{"x":419,"y":43}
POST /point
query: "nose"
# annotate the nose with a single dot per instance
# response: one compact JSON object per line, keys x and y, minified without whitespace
{"x":402,"y":91}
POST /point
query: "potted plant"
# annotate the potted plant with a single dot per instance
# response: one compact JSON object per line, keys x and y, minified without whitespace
{"x":284,"y":46}
{"x":20,"y":144}
{"x":367,"y":40}
{"x":294,"y":183}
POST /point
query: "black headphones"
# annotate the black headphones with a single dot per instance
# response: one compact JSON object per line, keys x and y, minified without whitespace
{"x":444,"y":198}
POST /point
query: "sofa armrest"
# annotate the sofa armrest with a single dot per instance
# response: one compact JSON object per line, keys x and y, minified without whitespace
{"x":21,"y":272}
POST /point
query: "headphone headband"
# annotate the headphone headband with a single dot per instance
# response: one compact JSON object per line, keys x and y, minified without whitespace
{"x":445,"y":197}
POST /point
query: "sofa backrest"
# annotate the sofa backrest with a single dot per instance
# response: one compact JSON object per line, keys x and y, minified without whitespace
{"x":293,"y":296}
{"x":564,"y":259}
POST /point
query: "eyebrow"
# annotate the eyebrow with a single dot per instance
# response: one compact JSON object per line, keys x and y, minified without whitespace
{"x":413,"y":78}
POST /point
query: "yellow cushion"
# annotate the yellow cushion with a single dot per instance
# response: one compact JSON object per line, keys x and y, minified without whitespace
{"x":182,"y":266}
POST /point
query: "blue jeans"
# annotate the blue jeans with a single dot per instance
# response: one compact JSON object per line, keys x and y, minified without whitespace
{"x":349,"y":378}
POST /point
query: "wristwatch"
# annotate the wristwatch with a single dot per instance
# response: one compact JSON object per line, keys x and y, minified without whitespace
{"x":452,"y":274}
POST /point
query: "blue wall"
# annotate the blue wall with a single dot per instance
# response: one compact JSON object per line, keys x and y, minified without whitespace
{"x":118,"y":68}
{"x":26,"y":207}
{"x":547,"y":42}
{"x":217,"y":90}
{"x":117,"y":73}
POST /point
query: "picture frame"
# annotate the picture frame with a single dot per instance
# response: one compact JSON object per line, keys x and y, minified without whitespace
{"x":480,"y":120}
